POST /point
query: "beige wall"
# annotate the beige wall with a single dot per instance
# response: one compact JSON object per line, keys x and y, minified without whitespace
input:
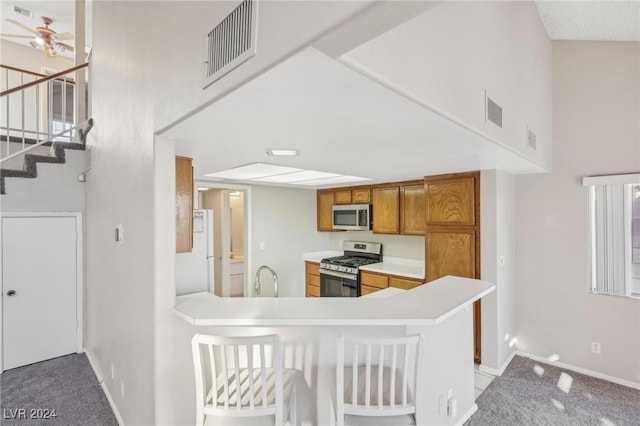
{"x":237,"y":224}
{"x":596,"y":111}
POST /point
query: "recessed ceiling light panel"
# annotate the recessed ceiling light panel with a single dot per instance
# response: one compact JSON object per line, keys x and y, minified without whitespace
{"x":252,"y":171}
{"x":298,"y":176}
{"x":333,"y":180}
{"x":282,"y":152}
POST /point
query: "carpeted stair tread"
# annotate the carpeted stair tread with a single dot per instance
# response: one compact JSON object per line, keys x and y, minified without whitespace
{"x":15,"y":173}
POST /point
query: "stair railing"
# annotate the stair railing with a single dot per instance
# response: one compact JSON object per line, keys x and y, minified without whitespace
{"x":29,"y":105}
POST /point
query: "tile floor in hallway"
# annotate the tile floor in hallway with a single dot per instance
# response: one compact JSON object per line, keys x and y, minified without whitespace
{"x":481,"y":381}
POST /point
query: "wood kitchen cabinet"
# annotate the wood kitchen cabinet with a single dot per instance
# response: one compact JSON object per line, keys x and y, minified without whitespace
{"x":374,"y":281}
{"x":412,"y":201}
{"x":312,"y":279}
{"x":342,"y":196}
{"x":452,"y":200}
{"x":386,"y":209}
{"x":361,"y":195}
{"x":325,"y":200}
{"x":184,"y":204}
{"x":452,"y":235}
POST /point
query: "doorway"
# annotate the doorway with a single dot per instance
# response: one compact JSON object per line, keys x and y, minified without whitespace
{"x":230,"y":206}
{"x":41,"y":287}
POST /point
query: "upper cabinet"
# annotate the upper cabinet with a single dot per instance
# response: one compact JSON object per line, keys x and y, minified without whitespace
{"x":455,"y":55}
{"x":412,"y":200}
{"x":397,"y":208}
{"x":386,"y":209}
{"x":451,"y":200}
{"x":325,"y":201}
{"x":184,"y":205}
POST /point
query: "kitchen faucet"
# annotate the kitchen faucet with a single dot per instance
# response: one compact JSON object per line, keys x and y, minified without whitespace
{"x":256,"y":281}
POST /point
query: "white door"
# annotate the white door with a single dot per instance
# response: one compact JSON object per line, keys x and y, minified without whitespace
{"x":39,"y":278}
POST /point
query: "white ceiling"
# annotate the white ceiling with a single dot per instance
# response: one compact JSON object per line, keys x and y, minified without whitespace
{"x":341,"y":121}
{"x":604,"y":20}
{"x":61,"y":12}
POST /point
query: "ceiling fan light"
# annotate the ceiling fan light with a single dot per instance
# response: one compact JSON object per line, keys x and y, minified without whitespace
{"x":39,"y":40}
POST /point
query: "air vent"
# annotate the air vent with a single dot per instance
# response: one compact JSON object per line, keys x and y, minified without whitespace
{"x":531,"y":139}
{"x":494,"y":112}
{"x":232,"y":41}
{"x":22,"y":12}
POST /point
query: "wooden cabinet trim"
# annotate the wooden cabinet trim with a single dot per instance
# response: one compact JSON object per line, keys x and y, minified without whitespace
{"x":374,"y":280}
{"x":184,"y":204}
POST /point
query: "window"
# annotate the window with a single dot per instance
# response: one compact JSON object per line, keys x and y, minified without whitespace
{"x":614,"y":213}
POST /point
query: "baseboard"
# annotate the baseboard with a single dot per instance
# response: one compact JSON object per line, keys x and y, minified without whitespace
{"x":580,"y":370}
{"x":467,"y":415}
{"x":100,"y":376}
{"x":499,"y":372}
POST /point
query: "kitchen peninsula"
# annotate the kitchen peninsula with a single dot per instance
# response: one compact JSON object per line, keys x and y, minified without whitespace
{"x":440,"y":310}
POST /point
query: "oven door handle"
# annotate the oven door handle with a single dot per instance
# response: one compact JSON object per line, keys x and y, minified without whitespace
{"x":339,"y":275}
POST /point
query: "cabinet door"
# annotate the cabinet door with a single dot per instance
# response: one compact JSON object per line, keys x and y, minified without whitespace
{"x":342,"y":196}
{"x":386,"y":210}
{"x":361,"y":195}
{"x":404,"y":283}
{"x":325,"y":210}
{"x":451,"y":201}
{"x":184,"y":205}
{"x":451,"y":252}
{"x":412,"y":221}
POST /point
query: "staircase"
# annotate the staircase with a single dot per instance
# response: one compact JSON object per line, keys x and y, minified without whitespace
{"x":30,"y":108}
{"x":57,"y":155}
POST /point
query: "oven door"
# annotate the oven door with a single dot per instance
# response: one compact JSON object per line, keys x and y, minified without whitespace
{"x":338,"y":284}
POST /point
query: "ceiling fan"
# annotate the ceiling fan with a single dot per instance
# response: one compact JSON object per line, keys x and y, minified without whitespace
{"x":45,"y":37}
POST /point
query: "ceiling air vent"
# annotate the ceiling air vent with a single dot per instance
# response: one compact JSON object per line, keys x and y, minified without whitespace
{"x":23,"y":12}
{"x":232,"y":41}
{"x":494,"y":111}
{"x":531,"y":139}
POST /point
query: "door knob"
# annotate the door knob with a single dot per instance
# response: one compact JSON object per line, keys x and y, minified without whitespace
{"x":11,"y":293}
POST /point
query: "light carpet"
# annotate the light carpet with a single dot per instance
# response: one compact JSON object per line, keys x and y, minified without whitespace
{"x":533,"y":393}
{"x":66,"y":385}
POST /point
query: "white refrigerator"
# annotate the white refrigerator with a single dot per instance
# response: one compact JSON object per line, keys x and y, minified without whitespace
{"x":194,"y":270}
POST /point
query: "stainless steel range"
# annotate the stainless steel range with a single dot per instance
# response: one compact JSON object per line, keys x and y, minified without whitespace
{"x":340,"y":276}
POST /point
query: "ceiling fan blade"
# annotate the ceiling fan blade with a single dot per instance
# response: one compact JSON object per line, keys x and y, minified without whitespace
{"x":66,"y":46}
{"x":63,"y":36}
{"x":15,"y":36}
{"x":21,"y":25}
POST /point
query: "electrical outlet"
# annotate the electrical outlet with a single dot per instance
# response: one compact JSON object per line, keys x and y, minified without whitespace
{"x":262,"y":246}
{"x":442,"y":410}
{"x":452,"y":407}
{"x":595,"y":348}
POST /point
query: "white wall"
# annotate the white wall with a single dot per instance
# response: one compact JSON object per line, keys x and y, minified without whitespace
{"x":596,"y":105}
{"x":55,"y":189}
{"x":497,"y":240}
{"x":284,"y":219}
{"x":140,"y":85}
{"x":448,"y":56}
{"x":403,"y":246}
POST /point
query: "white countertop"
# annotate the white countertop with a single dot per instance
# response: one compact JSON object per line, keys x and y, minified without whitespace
{"x":409,"y":268}
{"x":424,"y":305}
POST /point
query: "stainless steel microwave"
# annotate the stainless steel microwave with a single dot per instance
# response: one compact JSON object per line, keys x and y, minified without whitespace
{"x":352,"y":217}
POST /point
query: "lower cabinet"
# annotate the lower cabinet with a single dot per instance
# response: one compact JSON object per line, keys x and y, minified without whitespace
{"x":237,"y":279}
{"x":312,"y":279}
{"x":373,"y":281}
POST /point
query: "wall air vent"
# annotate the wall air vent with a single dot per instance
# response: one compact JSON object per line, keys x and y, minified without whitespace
{"x":22,"y":12}
{"x":493,"y":111}
{"x":232,"y":41}
{"x":531,"y":139}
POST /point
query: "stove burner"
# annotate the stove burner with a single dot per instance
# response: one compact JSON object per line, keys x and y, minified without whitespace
{"x":350,"y":261}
